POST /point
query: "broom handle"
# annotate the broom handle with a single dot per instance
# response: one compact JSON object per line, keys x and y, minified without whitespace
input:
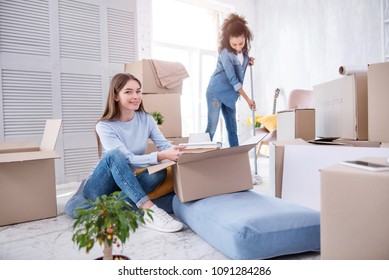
{"x":253,"y":119}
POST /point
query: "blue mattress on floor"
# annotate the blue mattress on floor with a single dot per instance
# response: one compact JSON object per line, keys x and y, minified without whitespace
{"x":251,"y":225}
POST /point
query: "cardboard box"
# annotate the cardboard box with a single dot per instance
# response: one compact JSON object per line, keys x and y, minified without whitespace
{"x":302,"y":165}
{"x":200,"y":175}
{"x":169,"y":105}
{"x":341,"y":108}
{"x":354,"y":213}
{"x":297,"y":123}
{"x":143,"y":70}
{"x":276,"y":158}
{"x":276,"y":163}
{"x":378,"y":102}
{"x":27,"y":176}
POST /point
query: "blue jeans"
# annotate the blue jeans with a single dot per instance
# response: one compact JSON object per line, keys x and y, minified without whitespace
{"x":214,"y":107}
{"x":113,"y":173}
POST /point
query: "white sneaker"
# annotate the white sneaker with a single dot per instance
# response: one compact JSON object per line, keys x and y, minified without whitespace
{"x":257,"y":180}
{"x":161,"y":221}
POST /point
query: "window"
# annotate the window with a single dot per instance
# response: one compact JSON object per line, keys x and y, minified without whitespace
{"x":186,"y":31}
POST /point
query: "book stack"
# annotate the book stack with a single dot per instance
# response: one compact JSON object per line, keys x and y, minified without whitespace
{"x":200,"y":147}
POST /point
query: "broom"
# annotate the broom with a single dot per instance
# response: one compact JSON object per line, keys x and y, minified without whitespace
{"x":257,"y":180}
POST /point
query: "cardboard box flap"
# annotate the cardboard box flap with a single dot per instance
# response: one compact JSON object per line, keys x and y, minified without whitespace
{"x":260,"y":135}
{"x":294,"y":110}
{"x":20,"y":146}
{"x":26,"y":156}
{"x":199,"y":137}
{"x":154,"y":168}
{"x":192,"y":157}
{"x":50,"y":135}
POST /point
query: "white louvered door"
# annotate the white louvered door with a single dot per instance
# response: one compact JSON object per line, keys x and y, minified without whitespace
{"x":56,"y":60}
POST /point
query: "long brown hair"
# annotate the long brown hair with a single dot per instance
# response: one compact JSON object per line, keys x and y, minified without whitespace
{"x":234,"y":26}
{"x":112,"y":111}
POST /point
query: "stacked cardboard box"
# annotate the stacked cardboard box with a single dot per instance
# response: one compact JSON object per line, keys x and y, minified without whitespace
{"x":157,"y":98}
{"x":378,"y":102}
{"x":341,"y":108}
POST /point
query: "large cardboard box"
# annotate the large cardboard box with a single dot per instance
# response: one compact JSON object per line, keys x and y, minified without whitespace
{"x":341,"y":108}
{"x":143,"y":70}
{"x":378,"y":102}
{"x":297,"y":123}
{"x":27,"y":178}
{"x":276,"y":158}
{"x":169,"y":105}
{"x":302,"y":165}
{"x":200,"y":175}
{"x":354,"y":213}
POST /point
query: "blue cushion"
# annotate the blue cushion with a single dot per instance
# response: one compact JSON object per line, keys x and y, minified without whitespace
{"x":250,"y":225}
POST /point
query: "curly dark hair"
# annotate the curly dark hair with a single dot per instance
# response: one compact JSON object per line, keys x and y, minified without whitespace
{"x":234,"y":26}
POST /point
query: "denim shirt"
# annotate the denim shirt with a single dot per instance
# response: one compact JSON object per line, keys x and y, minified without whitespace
{"x":228,"y":77}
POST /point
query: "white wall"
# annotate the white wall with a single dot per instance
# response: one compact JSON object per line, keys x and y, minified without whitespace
{"x":302,"y":43}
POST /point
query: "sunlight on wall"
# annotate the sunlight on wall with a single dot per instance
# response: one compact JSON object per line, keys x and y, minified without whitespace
{"x":184,"y":24}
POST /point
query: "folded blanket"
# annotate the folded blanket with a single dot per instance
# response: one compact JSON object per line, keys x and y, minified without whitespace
{"x":168,"y":74}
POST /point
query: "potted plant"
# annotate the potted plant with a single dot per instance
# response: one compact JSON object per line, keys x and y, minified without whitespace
{"x":158,"y":117}
{"x":108,"y":221}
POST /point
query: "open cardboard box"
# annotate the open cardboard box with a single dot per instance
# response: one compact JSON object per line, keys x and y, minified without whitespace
{"x":200,"y":175}
{"x":27,"y":176}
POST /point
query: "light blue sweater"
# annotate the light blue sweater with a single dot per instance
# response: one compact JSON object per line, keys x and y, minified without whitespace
{"x":131,"y":138}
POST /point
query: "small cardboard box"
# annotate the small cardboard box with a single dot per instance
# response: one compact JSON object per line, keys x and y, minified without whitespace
{"x":143,"y":70}
{"x":341,"y":108}
{"x":169,"y":105}
{"x":378,"y":102}
{"x":200,"y":175}
{"x":297,"y":123}
{"x":27,"y":178}
{"x":354,"y":213}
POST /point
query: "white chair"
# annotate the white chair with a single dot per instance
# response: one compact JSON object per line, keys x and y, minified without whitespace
{"x":300,"y":99}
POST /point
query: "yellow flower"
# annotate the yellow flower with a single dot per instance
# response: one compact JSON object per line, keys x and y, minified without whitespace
{"x":257,"y":121}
